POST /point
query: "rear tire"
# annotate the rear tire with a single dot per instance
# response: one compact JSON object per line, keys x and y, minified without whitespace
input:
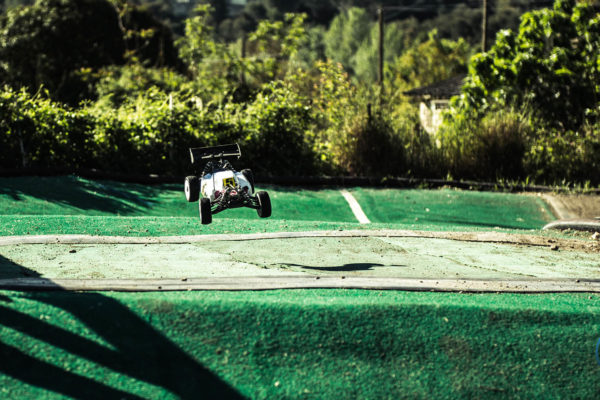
{"x":191,"y":188}
{"x":205,"y":212}
{"x":264,"y":204}
{"x":249,"y":177}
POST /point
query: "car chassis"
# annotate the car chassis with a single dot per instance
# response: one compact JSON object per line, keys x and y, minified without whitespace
{"x":220,"y":185}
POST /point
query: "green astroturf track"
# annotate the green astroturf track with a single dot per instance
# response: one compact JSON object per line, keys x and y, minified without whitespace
{"x":448,"y":207}
{"x":298,"y":344}
{"x":69,"y":204}
{"x":71,"y":195}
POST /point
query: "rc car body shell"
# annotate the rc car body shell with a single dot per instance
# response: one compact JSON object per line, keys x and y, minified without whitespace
{"x":213,"y":185}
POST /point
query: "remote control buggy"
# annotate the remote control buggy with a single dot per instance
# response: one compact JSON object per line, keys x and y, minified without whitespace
{"x":219,"y":186}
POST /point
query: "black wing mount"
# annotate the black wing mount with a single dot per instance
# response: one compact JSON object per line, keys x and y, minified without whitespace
{"x":215,"y":153}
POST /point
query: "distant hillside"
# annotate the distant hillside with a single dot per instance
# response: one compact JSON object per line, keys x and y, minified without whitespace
{"x":231,"y":18}
{"x":452,"y":18}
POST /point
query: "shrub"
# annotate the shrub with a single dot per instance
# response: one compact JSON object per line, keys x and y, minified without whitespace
{"x":153,"y":133}
{"x":36,"y":132}
{"x":492,"y":147}
{"x":370,"y":147}
{"x":570,"y":156}
{"x":276,"y":125}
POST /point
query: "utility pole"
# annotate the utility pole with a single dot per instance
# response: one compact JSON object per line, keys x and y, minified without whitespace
{"x":380,"y":64}
{"x":484,"y":24}
{"x":243,"y":57}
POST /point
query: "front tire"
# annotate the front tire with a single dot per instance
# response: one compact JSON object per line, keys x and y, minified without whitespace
{"x":191,"y":188}
{"x":205,"y":212}
{"x":264,"y":204}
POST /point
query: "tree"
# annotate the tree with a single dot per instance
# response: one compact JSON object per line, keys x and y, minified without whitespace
{"x":147,"y":40}
{"x":274,"y":46}
{"x":211,"y":65}
{"x":346,"y":33}
{"x":62,"y":44}
{"x":55,"y":44}
{"x":430,"y":61}
{"x":197,"y":44}
{"x":398,"y":36}
{"x":550,"y":67}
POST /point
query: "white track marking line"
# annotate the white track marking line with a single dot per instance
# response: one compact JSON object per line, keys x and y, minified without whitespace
{"x":355,"y":207}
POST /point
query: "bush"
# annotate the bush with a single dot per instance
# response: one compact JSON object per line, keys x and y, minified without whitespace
{"x":277,"y":141}
{"x":491,"y":148}
{"x":565,"y":157}
{"x":153,"y":134}
{"x":35,"y":132}
{"x":368,"y":146}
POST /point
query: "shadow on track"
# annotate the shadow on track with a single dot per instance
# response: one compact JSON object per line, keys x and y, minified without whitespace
{"x":345,"y":267}
{"x":137,"y":349}
{"x":114,"y":197}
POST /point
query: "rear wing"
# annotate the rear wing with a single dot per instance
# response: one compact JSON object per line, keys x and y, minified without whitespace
{"x":223,"y":152}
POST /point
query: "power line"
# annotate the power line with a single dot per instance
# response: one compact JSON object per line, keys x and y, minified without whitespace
{"x":450,"y":6}
{"x":470,"y":4}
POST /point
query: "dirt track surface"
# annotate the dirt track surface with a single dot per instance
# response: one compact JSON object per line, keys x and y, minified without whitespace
{"x":381,"y":256}
{"x":484,"y":237}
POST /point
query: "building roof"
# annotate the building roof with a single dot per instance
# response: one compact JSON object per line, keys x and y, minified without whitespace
{"x":439,"y":90}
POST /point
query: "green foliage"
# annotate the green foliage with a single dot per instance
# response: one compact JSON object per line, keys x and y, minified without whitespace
{"x":550,"y":67}
{"x":371,"y":147}
{"x":147,"y":40}
{"x":275,"y":127}
{"x":333,"y":98}
{"x":197,"y":43}
{"x":492,"y":147}
{"x":48,"y":44}
{"x":233,"y":27}
{"x":571,"y":156}
{"x":35,"y":132}
{"x":273,"y":47}
{"x":430,"y":61}
{"x":548,"y":71}
{"x":411,"y":55}
{"x":281,"y":38}
{"x":353,"y":39}
{"x":294,"y":112}
{"x":61,"y":44}
{"x":148,"y":133}
{"x":119,"y":84}
{"x":213,"y":67}
{"x":345,"y":35}
{"x":423,"y":158}
{"x":354,"y":137}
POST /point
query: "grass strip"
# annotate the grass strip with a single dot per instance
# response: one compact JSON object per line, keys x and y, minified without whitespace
{"x":299,"y":344}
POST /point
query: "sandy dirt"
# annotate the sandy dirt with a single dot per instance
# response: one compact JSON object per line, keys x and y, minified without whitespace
{"x":397,"y":254}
